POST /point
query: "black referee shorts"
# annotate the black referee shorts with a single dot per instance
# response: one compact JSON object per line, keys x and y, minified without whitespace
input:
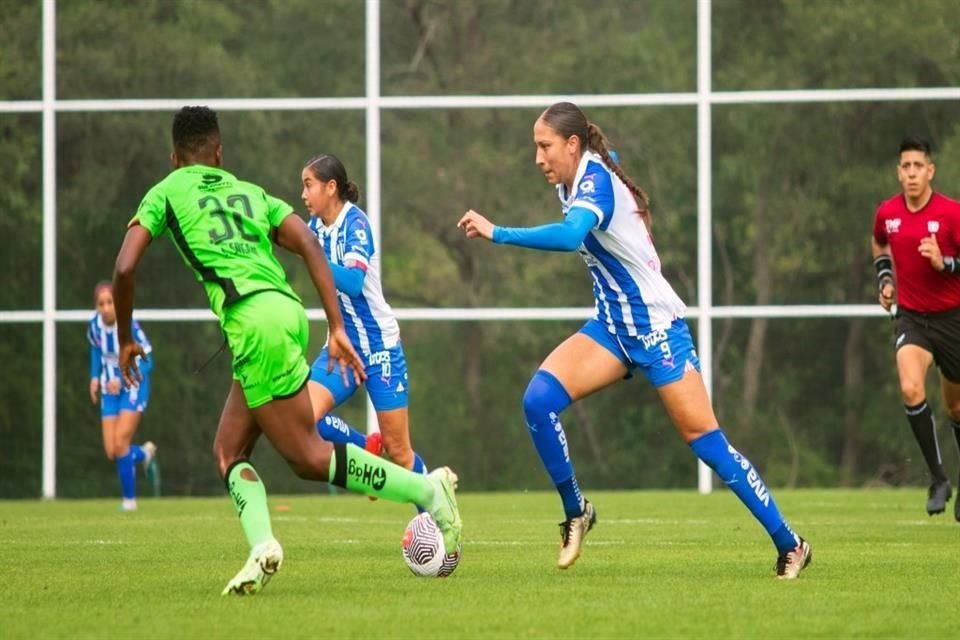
{"x":938,"y":333}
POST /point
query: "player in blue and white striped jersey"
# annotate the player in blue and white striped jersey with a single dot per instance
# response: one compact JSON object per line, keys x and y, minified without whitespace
{"x":638,"y":325}
{"x":343,"y":231}
{"x":120,"y":408}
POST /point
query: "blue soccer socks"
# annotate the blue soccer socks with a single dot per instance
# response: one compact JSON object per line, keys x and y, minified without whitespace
{"x":543,"y":402}
{"x":742,"y":478}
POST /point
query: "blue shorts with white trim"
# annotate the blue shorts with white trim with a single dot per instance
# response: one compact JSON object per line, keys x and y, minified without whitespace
{"x":663,"y":355}
{"x":387,"y":383}
{"x":132,"y":399}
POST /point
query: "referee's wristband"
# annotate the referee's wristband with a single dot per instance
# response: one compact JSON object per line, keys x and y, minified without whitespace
{"x":949,"y":264}
{"x":883,"y":265}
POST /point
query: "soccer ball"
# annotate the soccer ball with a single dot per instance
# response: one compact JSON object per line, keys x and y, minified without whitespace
{"x":423,"y":550}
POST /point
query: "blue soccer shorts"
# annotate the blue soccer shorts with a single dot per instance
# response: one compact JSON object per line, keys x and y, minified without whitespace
{"x":132,"y":399}
{"x":663,"y":355}
{"x":387,"y":382}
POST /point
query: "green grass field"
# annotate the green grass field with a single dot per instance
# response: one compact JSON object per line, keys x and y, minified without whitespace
{"x":658,"y":564}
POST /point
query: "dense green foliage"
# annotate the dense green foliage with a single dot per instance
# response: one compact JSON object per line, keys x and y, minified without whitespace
{"x":659,"y":564}
{"x":812,"y":402}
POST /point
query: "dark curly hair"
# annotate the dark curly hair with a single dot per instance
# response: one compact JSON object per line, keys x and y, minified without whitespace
{"x":193,"y":129}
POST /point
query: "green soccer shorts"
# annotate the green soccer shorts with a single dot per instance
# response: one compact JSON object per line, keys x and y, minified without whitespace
{"x":268,"y":334}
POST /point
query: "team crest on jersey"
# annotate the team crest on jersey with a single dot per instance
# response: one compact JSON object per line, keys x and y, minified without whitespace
{"x":933,"y":226}
{"x":893,"y":225}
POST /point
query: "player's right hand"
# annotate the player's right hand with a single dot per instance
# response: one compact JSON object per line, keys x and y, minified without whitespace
{"x":341,"y":351}
{"x":887,"y":293}
{"x":475,"y":225}
{"x":94,"y":388}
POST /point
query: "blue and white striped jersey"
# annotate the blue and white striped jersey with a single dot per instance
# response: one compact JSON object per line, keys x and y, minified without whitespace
{"x":348,"y":242}
{"x":103,"y":338}
{"x":632,"y":296}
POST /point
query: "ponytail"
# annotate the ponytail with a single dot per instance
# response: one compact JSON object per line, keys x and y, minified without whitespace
{"x":349,"y":192}
{"x":597,"y":142}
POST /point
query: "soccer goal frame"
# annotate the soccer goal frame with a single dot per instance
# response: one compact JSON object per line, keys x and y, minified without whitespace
{"x":373,"y":104}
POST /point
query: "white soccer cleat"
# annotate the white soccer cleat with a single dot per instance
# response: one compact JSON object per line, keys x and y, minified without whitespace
{"x":128,"y":504}
{"x":149,"y":453}
{"x":572,"y":533}
{"x":791,"y":563}
{"x":151,"y":470}
{"x":264,"y":561}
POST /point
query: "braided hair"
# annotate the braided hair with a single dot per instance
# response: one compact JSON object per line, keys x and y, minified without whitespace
{"x":568,"y":120}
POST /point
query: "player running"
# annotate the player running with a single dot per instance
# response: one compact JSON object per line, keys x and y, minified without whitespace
{"x":223,"y":228}
{"x":638,"y":324}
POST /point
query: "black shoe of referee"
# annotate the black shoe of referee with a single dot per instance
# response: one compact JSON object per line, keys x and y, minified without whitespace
{"x":937,"y":497}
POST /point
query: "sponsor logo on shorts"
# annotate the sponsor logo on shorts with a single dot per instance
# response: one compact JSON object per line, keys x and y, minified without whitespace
{"x":653,"y":338}
{"x":383,"y":359}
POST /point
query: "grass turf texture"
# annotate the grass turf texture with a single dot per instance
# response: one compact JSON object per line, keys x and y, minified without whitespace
{"x":658,"y":564}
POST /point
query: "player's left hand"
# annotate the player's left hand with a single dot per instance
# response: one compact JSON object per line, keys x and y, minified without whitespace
{"x":341,"y":351}
{"x":930,"y":250}
{"x":128,"y":363}
{"x":476,"y":226}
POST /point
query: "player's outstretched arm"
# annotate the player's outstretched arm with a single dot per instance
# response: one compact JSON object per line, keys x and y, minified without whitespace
{"x":135,"y":244}
{"x":294,"y":235}
{"x":558,"y":236}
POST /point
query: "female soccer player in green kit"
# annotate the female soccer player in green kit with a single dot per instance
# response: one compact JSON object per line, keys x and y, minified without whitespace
{"x":223,"y":227}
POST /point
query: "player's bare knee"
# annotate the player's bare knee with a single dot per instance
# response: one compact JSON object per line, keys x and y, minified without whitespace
{"x":223,"y":458}
{"x":314,"y":465}
{"x":912,"y":393}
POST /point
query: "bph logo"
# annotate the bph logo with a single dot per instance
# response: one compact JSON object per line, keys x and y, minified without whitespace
{"x":374,"y":477}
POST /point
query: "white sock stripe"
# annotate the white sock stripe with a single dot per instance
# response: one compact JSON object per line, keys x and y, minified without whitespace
{"x":915,"y":411}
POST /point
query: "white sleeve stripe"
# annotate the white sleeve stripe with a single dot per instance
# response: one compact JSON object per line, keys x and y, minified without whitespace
{"x":590,"y":207}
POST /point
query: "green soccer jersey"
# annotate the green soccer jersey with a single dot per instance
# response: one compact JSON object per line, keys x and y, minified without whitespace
{"x":221,"y":226}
